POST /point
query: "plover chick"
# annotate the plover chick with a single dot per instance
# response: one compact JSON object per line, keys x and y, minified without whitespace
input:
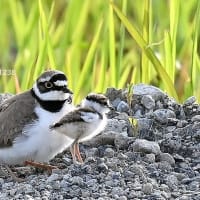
{"x":85,"y":122}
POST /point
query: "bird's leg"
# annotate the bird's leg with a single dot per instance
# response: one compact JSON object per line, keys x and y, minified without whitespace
{"x":76,"y":156}
{"x":77,"y":151}
{"x":40,"y":165}
{"x":14,"y":177}
{"x":73,"y":151}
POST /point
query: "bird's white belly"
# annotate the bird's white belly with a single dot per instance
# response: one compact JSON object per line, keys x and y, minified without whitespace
{"x":37,"y":142}
{"x":83,"y":131}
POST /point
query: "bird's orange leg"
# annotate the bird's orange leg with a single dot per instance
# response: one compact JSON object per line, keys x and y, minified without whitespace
{"x":77,"y":151}
{"x":72,"y":150}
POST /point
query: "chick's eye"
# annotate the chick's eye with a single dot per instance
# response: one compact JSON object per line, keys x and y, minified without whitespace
{"x":48,"y":84}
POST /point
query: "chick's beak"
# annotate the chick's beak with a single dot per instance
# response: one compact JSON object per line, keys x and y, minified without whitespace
{"x":69,"y":99}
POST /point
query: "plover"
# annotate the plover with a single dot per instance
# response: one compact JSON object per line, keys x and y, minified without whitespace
{"x":26,"y":117}
{"x":84,"y":122}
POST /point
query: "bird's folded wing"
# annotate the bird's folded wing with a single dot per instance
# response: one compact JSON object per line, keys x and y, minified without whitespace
{"x":16,"y":113}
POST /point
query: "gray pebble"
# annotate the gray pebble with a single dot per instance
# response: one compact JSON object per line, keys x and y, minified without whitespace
{"x":52,"y":178}
{"x":162,"y":115}
{"x":145,"y":146}
{"x":121,"y":141}
{"x":191,"y":100}
{"x":102,"y":167}
{"x":116,"y":102}
{"x":196,"y":118}
{"x":172,"y":182}
{"x":147,"y":188}
{"x":167,"y":157}
{"x":150,"y":157}
{"x":77,"y":180}
{"x":109,"y":152}
{"x":194,"y":186}
{"x":148,"y":102}
{"x":123,"y":107}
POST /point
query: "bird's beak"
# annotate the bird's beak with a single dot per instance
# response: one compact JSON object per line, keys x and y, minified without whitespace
{"x":66,"y":90}
{"x":69,"y":99}
{"x":111,"y":107}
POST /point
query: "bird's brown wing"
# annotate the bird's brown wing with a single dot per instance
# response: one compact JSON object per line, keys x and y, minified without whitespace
{"x":73,"y":116}
{"x":15,"y":113}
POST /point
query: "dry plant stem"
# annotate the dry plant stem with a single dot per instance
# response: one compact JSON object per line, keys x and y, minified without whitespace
{"x":14,"y":177}
{"x":40,"y":165}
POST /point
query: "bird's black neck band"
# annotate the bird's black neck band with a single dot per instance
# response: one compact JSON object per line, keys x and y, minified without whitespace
{"x":51,"y":106}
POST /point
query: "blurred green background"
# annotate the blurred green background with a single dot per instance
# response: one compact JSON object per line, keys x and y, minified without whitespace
{"x":101,"y":43}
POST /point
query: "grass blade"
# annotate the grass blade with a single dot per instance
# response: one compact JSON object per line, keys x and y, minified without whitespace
{"x":148,"y":51}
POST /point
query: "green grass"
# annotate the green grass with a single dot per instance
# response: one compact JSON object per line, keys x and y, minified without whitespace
{"x":100,"y":44}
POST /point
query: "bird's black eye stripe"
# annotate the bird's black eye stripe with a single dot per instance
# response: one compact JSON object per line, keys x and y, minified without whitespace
{"x":97,"y":99}
{"x":58,"y":77}
{"x":59,"y":87}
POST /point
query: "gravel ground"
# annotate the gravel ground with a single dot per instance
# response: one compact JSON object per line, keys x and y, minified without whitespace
{"x":155,"y":157}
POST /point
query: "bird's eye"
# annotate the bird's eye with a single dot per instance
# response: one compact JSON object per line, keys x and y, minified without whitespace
{"x":48,"y":84}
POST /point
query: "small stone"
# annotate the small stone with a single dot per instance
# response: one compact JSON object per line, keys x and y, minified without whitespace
{"x":85,"y":194}
{"x":148,"y":102}
{"x":181,"y":123}
{"x":196,"y":135}
{"x":67,"y":177}
{"x":144,"y":124}
{"x":1,"y":181}
{"x":162,"y":115}
{"x":77,"y":180}
{"x":28,"y":197}
{"x":91,"y":182}
{"x":146,"y":146}
{"x":147,"y":188}
{"x":28,"y":189}
{"x":93,"y":152}
{"x":172,"y":181}
{"x":52,"y":178}
{"x":122,"y":198}
{"x":102,"y":167}
{"x":178,"y":158}
{"x":191,"y":100}
{"x":109,"y":152}
{"x":116,"y":102}
{"x":121,"y":141}
{"x":196,"y":118}
{"x":150,"y":158}
{"x":123,"y":107}
{"x":184,"y":197}
{"x":167,"y":157}
{"x":194,"y":186}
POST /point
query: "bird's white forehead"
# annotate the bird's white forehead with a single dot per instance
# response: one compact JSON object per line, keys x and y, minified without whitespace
{"x":45,"y":79}
{"x":60,"y":83}
{"x":57,"y":83}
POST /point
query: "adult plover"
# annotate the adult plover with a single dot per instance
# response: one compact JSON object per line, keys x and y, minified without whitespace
{"x":25,"y":120}
{"x":84,"y":122}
